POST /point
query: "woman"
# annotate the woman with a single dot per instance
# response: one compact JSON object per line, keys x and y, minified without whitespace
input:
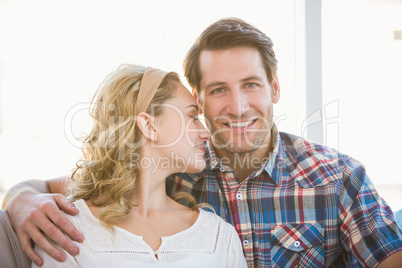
{"x":146,"y":128}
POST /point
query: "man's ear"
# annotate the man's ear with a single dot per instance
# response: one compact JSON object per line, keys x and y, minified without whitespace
{"x":200,"y":102}
{"x":145,"y":125}
{"x":276,"y":94}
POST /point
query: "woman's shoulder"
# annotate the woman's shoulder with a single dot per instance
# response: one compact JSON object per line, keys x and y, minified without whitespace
{"x":85,"y":221}
{"x":85,"y":213}
{"x":211,"y":216}
{"x":97,"y":236}
{"x":214,"y":221}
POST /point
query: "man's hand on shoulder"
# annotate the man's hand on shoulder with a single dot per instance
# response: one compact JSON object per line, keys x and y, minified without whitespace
{"x":34,"y":212}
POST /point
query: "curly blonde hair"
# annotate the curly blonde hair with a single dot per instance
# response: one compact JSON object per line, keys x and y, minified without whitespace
{"x":107,"y":176}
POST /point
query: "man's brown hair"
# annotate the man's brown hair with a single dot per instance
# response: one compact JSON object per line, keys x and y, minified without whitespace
{"x":225,"y":34}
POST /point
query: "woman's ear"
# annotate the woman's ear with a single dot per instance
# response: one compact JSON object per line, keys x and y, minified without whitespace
{"x":145,"y":125}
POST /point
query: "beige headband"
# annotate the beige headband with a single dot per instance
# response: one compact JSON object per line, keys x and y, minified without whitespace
{"x":151,"y":81}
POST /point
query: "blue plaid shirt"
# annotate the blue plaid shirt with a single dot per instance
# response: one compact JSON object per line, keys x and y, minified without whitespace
{"x":306,"y":206}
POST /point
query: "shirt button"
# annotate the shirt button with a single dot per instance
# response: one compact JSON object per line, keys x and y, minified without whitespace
{"x":245,"y":242}
{"x":222,"y":169}
{"x":239,"y":196}
{"x":297,"y":244}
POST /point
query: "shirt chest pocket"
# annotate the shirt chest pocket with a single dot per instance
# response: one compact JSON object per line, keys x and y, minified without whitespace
{"x":298,"y":245}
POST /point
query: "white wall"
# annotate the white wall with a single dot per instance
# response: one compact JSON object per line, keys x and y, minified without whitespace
{"x":362,"y":71}
{"x":54,"y":54}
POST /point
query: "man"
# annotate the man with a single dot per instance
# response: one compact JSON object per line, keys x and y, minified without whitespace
{"x":292,"y":202}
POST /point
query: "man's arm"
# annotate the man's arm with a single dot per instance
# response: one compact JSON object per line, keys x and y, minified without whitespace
{"x":368,"y":229}
{"x":34,"y":210}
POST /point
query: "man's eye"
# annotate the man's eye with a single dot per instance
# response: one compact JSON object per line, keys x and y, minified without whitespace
{"x":251,"y":85}
{"x":218,"y":90}
{"x":195,"y":118}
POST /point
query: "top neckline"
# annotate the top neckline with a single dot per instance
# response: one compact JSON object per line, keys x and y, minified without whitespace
{"x":82,"y":205}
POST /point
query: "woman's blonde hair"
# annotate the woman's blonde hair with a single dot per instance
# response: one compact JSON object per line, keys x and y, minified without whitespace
{"x":107,"y":175}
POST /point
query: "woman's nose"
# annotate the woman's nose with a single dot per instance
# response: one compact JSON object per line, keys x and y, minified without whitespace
{"x":204,"y":134}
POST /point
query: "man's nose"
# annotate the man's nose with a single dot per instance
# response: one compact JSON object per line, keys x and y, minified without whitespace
{"x":238,"y":103}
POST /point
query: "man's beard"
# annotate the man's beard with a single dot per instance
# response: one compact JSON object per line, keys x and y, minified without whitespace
{"x":242,"y":142}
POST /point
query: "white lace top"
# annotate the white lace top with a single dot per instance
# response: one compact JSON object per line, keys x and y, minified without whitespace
{"x":209,"y":242}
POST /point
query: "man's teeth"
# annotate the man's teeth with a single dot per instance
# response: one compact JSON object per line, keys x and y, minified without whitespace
{"x":241,"y":124}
